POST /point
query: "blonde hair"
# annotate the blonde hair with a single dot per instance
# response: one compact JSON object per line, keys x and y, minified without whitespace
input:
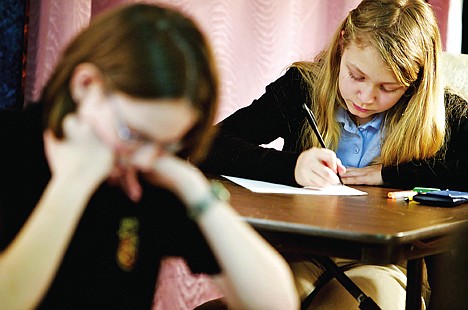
{"x":144,"y":51}
{"x":406,"y":35}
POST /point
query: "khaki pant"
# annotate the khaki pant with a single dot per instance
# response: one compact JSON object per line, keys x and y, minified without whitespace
{"x":385,"y":284}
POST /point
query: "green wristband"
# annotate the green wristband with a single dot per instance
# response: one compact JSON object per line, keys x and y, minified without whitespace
{"x":217,"y":193}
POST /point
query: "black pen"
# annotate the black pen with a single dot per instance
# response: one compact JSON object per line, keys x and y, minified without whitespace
{"x":311,"y":119}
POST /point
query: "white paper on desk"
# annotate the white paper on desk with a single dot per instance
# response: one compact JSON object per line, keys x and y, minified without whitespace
{"x":273,"y":188}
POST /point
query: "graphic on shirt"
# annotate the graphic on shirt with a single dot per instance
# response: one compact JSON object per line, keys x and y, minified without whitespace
{"x":127,"y":250}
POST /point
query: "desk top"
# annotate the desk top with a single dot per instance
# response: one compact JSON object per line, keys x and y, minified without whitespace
{"x":373,"y":218}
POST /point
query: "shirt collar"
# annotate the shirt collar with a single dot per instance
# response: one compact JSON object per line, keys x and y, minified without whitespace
{"x":343,"y":117}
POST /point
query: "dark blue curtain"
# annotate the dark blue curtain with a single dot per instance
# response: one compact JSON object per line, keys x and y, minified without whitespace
{"x":13,"y":17}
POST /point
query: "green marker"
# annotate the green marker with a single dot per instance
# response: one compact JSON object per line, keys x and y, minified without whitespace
{"x":425,"y":189}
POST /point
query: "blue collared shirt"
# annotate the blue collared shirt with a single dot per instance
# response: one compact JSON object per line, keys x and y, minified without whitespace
{"x":359,"y":145}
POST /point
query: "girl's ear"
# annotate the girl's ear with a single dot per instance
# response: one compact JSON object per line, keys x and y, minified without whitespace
{"x":84,"y":77}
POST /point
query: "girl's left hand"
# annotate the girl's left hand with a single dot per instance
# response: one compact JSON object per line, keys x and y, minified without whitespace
{"x":370,"y":175}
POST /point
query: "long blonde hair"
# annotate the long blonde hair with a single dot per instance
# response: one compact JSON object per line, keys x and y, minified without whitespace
{"x":405,"y":33}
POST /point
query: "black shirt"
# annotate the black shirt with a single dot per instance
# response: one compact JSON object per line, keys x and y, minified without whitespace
{"x":113,"y":259}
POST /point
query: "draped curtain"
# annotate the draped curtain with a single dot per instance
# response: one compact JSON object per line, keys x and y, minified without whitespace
{"x":253,"y":40}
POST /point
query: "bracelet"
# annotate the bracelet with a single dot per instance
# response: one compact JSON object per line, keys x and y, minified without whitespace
{"x":217,"y":193}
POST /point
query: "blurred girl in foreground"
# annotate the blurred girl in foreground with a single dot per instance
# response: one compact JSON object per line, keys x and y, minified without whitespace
{"x":93,"y":193}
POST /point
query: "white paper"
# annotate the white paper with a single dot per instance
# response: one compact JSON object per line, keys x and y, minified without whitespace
{"x":273,"y":188}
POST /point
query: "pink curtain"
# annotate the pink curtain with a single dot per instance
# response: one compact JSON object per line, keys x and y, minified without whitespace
{"x":51,"y":25}
{"x":253,"y":40}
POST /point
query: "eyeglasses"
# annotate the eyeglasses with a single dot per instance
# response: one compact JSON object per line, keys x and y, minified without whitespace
{"x":135,"y":139}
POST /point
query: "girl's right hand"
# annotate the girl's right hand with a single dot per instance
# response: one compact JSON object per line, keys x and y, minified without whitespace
{"x":79,"y":153}
{"x":172,"y":173}
{"x":318,"y":167}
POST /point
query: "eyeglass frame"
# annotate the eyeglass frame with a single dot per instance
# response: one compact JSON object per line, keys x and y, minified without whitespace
{"x":127,"y":135}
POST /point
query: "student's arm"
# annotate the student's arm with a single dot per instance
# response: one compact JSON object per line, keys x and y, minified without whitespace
{"x":254,"y":275}
{"x":30,"y":262}
{"x":444,"y":174}
{"x":277,"y":113}
{"x":451,"y":171}
{"x":447,"y":170}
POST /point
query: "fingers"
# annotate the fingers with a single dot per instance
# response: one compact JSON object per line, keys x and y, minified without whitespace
{"x":83,"y":146}
{"x":341,"y":169}
{"x":318,"y":168}
{"x":172,"y":168}
{"x":78,"y":131}
{"x":143,"y":158}
{"x":370,"y":175}
{"x":180,"y":177}
{"x":75,"y":128}
{"x":131,"y":185}
{"x":318,"y":178}
{"x":329,"y":159}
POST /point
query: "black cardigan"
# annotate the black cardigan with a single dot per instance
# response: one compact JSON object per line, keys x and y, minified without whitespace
{"x":278,"y":113}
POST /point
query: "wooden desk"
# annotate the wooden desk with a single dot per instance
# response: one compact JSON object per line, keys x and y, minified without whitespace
{"x":371,"y":228}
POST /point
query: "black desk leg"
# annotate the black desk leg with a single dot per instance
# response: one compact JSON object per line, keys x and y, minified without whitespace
{"x":365,"y":302}
{"x":414,"y":283}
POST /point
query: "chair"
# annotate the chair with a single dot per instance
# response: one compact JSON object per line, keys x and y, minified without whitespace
{"x":455,"y":71}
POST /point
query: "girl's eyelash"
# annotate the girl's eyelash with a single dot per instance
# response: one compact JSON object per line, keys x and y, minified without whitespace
{"x":352,"y":76}
{"x":388,"y":90}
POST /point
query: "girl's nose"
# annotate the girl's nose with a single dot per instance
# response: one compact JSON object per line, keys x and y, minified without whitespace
{"x":367,"y":94}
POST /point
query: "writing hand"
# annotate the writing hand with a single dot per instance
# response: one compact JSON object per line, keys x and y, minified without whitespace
{"x":318,"y":167}
{"x":370,"y":175}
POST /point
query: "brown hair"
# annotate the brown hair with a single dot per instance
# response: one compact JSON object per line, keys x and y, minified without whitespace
{"x":146,"y":52}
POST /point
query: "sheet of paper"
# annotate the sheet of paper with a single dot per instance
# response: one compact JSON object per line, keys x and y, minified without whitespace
{"x":266,"y":187}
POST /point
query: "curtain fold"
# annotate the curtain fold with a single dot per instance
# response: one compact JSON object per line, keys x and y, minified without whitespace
{"x":253,"y":40}
{"x":51,"y":25}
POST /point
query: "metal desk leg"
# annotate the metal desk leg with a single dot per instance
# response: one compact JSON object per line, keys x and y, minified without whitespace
{"x":414,"y":283}
{"x":365,"y":302}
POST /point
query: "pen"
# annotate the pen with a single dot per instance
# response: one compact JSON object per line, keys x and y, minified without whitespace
{"x":311,"y":119}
